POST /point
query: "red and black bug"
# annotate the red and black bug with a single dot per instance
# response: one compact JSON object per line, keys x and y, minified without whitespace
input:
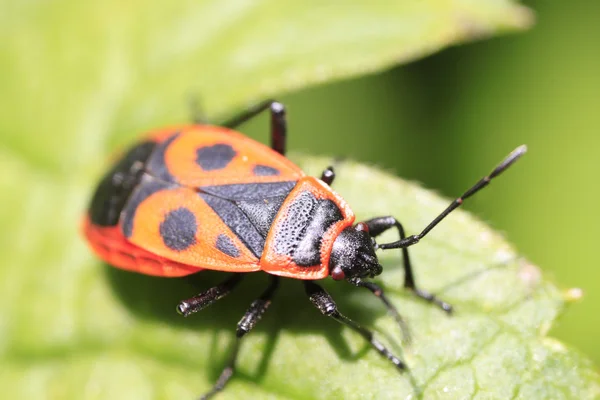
{"x":199,"y":197}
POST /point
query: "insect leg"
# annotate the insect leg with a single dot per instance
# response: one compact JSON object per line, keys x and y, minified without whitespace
{"x":323,"y":301}
{"x":328,"y":175}
{"x":248,"y":114}
{"x":209,"y":296}
{"x":250,"y":318}
{"x":278,"y":122}
{"x":198,"y":116}
{"x":381,"y":224}
{"x":378,"y":291}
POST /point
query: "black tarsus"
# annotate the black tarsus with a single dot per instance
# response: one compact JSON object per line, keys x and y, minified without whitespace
{"x":278,"y":122}
{"x":381,"y":224}
{"x":328,"y":175}
{"x":483,"y":182}
{"x":248,"y":321}
{"x":323,"y":301}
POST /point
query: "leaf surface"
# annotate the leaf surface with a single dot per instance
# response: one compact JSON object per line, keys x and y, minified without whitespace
{"x":81,"y":78}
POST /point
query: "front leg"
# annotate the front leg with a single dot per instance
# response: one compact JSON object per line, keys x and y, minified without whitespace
{"x":323,"y":301}
{"x":376,"y":227}
{"x":328,"y":175}
{"x":378,"y":292}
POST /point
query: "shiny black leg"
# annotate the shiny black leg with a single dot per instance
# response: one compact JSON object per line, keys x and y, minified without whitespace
{"x":328,"y":175}
{"x":250,"y":318}
{"x":323,"y":301}
{"x":206,"y":298}
{"x":381,"y":224}
{"x":278,"y":122}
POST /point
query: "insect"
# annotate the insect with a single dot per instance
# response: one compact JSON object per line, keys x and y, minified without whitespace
{"x":199,"y":197}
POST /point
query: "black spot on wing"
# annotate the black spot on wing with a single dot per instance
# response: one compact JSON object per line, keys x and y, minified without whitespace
{"x":226,"y":246}
{"x":237,"y":221}
{"x":157,"y":165}
{"x":250,"y":191}
{"x":118,"y":184}
{"x":178,"y":229}
{"x":147,"y":187}
{"x":265,"y":170}
{"x":215,"y":157}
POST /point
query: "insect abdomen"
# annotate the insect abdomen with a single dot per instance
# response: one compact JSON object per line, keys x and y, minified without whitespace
{"x":117,"y":185}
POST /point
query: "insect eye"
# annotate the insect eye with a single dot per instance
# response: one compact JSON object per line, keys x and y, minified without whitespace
{"x":361,"y":226}
{"x":337,"y":274}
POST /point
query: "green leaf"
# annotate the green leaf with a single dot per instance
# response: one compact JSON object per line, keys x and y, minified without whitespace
{"x":73,"y":328}
{"x":78,"y":77}
{"x":77,"y":70}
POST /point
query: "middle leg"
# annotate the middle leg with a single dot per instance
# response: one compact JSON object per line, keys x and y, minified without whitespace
{"x":248,"y":321}
{"x":209,"y":296}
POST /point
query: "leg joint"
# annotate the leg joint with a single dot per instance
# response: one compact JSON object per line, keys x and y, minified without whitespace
{"x":277,"y":108}
{"x":252,"y":316}
{"x":324,"y":303}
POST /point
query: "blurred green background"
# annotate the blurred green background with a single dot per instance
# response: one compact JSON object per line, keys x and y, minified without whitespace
{"x":443,"y":121}
{"x":447,"y":119}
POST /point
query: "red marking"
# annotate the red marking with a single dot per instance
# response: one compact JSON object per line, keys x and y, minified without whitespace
{"x":281,"y":265}
{"x":145,"y":251}
{"x":181,"y":154}
{"x":337,"y":274}
{"x":111,"y":246}
{"x":203,"y":253}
